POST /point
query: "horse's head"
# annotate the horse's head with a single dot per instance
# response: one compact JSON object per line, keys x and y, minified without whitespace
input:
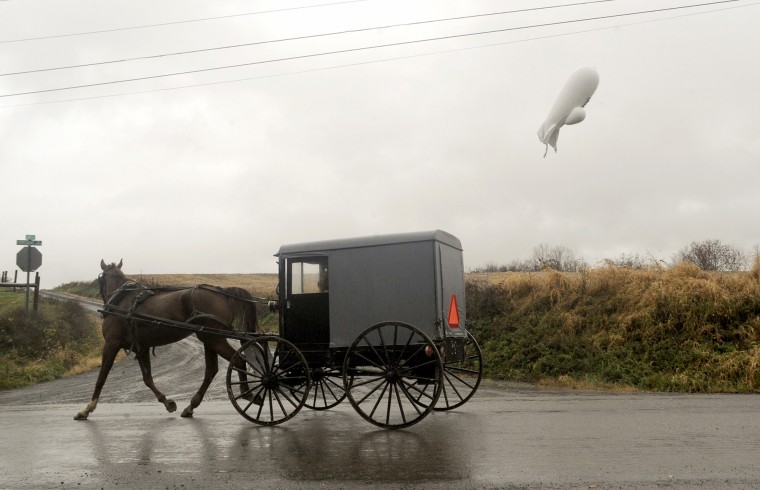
{"x":110,"y":279}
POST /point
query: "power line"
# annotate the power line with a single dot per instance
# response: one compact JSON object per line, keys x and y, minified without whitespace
{"x":313,"y":70}
{"x":300,"y":38}
{"x":383,"y":60}
{"x":180,"y":22}
{"x":364,"y":48}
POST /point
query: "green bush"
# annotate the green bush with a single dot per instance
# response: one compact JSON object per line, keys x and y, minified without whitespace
{"x":46,"y":344}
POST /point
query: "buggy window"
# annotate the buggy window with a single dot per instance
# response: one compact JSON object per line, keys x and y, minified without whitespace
{"x":308,"y":276}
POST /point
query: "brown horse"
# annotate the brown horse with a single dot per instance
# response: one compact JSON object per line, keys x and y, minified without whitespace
{"x":202,"y":305}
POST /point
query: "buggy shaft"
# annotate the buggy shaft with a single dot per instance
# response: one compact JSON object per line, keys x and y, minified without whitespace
{"x":163,"y":322}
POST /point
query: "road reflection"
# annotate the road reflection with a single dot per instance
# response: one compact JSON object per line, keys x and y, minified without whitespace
{"x":320,"y":450}
{"x":325,"y":446}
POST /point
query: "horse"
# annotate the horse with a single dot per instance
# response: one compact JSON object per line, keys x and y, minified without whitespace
{"x":202,"y":305}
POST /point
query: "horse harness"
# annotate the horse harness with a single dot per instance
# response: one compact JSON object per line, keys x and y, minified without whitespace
{"x":142,"y":295}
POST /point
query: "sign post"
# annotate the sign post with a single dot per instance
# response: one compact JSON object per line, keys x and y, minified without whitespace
{"x":29,"y":259}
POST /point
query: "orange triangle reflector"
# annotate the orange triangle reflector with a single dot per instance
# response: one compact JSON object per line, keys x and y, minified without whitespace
{"x":453,"y":312}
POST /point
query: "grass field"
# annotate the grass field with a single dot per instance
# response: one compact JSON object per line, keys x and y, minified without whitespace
{"x":261,"y":285}
{"x":10,"y":299}
{"x":662,"y":329}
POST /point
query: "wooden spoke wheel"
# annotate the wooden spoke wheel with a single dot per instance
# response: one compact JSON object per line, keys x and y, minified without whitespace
{"x":326,"y":389}
{"x":461,"y":378}
{"x":272,"y":380}
{"x":393,"y":375}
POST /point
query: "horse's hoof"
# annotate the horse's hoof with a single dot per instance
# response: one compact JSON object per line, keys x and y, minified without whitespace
{"x":171,"y":406}
{"x":80,"y":416}
{"x":187,"y":413}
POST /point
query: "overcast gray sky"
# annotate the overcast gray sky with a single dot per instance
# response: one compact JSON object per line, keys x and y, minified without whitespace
{"x":213,"y":178}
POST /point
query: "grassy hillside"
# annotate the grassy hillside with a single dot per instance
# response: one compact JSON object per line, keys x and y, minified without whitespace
{"x":668,"y":329}
{"x":675,"y":329}
{"x":60,"y":338}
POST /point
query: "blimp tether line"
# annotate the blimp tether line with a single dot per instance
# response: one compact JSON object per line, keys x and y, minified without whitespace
{"x":569,"y":107}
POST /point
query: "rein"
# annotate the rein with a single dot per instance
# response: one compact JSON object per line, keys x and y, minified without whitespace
{"x":223,"y":292}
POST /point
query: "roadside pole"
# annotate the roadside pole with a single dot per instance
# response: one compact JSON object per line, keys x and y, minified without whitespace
{"x":28,"y":266}
{"x":36,"y":303}
{"x":29,"y":259}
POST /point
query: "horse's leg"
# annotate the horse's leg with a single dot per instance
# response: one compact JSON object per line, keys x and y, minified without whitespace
{"x":212,"y":367}
{"x":109,"y":355}
{"x":144,"y":359}
{"x":246,"y":393}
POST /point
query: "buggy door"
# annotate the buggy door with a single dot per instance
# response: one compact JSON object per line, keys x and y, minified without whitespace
{"x":306,"y":316}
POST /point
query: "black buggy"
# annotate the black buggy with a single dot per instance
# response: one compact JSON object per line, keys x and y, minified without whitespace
{"x":378,"y":320}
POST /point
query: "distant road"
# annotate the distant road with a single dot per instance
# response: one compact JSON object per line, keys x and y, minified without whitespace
{"x":89,"y":304}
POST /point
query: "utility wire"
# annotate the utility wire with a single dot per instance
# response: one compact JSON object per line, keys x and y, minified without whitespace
{"x":360,"y":63}
{"x":299,"y":38}
{"x":367,"y":48}
{"x":180,"y":22}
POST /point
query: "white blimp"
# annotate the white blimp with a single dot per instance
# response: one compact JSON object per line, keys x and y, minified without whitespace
{"x":569,"y":106}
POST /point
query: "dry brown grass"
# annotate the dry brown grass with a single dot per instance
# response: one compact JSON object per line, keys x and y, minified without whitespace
{"x":677,"y":328}
{"x":262,"y":285}
{"x":87,"y":364}
{"x":568,"y":382}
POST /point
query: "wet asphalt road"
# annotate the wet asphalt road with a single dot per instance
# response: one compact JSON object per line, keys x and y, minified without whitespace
{"x":507,"y":436}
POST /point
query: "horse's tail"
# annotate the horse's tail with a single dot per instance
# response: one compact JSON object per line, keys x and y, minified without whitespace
{"x":244,"y":310}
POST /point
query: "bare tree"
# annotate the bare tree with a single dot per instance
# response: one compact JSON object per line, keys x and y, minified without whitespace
{"x":559,"y":258}
{"x":514,"y":266}
{"x":526,"y":265}
{"x":630,"y":261}
{"x":712,"y":255}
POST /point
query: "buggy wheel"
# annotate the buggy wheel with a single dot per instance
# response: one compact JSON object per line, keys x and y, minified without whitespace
{"x":272,"y":380}
{"x":461,"y":378}
{"x":326,"y":389}
{"x":392,"y":375}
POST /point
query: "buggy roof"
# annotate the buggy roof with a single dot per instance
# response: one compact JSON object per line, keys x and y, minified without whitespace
{"x":370,"y":241}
